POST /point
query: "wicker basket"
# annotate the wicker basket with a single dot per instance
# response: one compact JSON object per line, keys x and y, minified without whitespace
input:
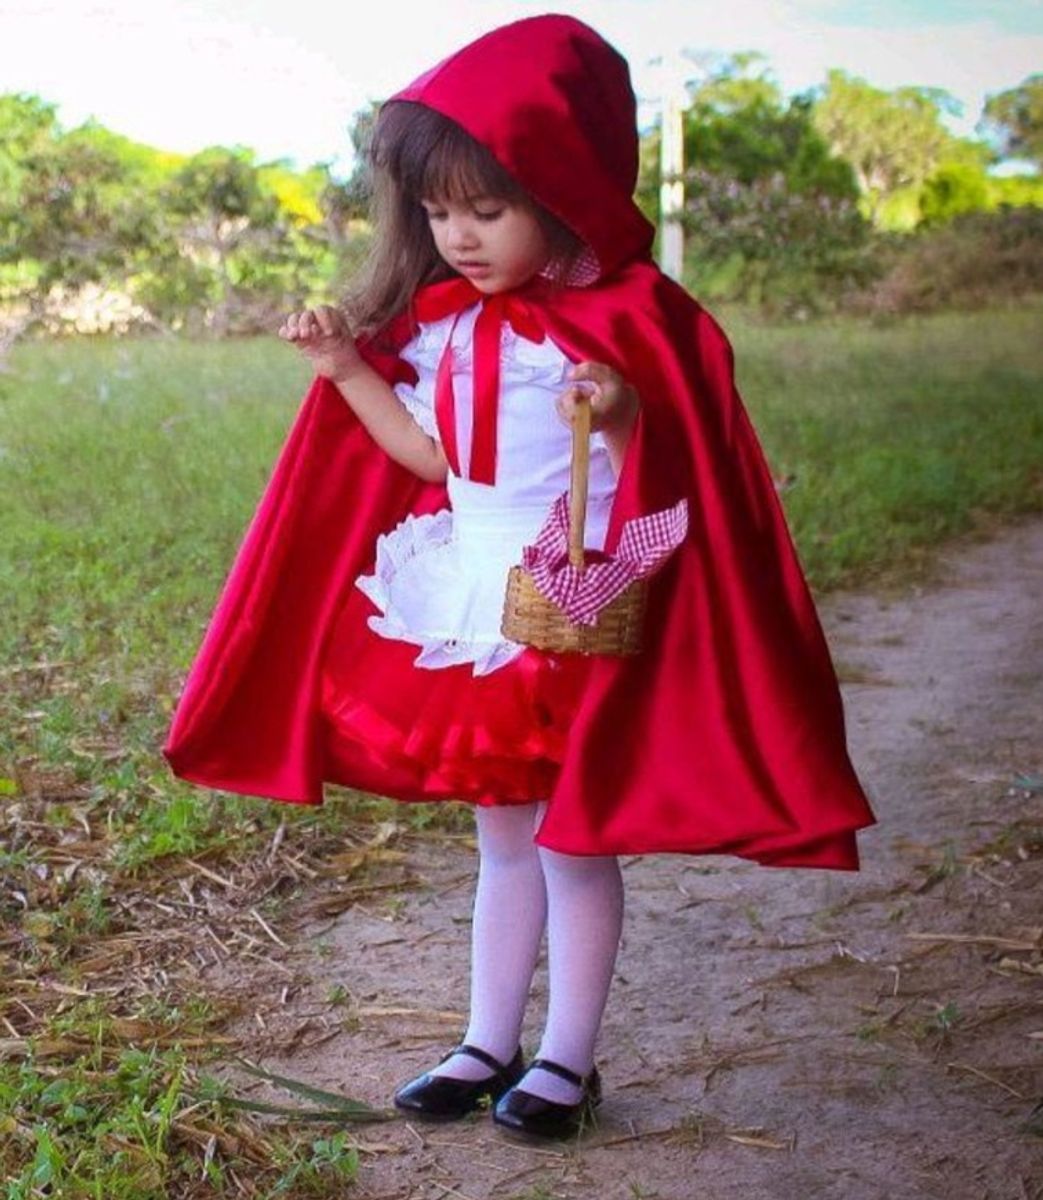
{"x":530,"y":618}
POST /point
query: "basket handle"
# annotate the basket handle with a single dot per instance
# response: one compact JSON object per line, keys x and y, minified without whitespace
{"x":580,"y":478}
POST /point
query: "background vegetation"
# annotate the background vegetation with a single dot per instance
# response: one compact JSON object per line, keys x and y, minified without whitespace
{"x":844,"y":197}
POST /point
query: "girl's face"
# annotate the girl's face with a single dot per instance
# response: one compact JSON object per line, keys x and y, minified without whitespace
{"x":496,"y":244}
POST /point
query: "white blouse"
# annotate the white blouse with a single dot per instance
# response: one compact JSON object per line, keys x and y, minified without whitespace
{"x":440,"y":578}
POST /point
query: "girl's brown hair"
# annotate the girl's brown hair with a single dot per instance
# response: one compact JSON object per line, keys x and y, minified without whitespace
{"x":416,"y":153}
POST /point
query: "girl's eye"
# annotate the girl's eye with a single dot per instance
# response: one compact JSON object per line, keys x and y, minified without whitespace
{"x":434,"y":214}
{"x":488,"y":214}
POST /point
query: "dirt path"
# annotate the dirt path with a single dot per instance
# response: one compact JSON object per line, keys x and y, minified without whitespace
{"x":776,"y":1034}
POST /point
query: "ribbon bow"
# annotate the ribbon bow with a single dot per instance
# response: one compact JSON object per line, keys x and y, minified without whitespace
{"x":645,"y":543}
{"x":440,"y":300}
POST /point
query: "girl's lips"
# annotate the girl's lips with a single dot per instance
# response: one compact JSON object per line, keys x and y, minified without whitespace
{"x":475,"y":268}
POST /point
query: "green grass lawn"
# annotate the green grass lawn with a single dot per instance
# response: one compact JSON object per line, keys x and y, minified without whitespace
{"x":899,"y":435}
{"x":128,"y":471}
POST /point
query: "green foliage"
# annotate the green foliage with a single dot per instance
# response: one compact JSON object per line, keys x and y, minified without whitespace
{"x":331,"y":1164}
{"x":113,"y":1124}
{"x":213,"y":242}
{"x":891,"y":139}
{"x":1015,"y":119}
{"x":973,"y":260}
{"x":25,"y":122}
{"x":1016,"y":191}
{"x":349,"y":200}
{"x":760,"y":135}
{"x":69,"y":204}
{"x":239,"y":244}
{"x":953,"y":188}
{"x":769,"y":213}
{"x":763,"y":244}
{"x":739,"y":126}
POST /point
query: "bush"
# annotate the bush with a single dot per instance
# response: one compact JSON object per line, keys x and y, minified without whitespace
{"x":761,"y":243}
{"x":976,"y":259}
{"x":954,"y":189}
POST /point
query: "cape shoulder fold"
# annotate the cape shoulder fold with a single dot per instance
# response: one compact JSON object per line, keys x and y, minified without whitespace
{"x":725,"y":735}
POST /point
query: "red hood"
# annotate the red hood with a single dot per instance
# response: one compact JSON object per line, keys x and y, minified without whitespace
{"x":552,"y":100}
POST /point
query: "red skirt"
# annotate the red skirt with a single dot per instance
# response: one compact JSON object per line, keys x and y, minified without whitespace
{"x":487,"y":739}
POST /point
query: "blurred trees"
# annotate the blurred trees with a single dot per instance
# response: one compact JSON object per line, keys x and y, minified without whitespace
{"x":1016,"y":118}
{"x":232,"y":249}
{"x":99,"y":231}
{"x":740,"y":124}
{"x":771,"y":213}
{"x":893,"y":140}
{"x":792,"y":204}
{"x":70,"y":212}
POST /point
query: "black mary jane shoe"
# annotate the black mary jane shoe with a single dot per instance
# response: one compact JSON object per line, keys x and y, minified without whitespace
{"x":525,"y":1115}
{"x":441,"y":1098}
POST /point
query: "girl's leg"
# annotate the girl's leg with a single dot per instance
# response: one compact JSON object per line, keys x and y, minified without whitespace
{"x":510,"y":911}
{"x":584,"y":924}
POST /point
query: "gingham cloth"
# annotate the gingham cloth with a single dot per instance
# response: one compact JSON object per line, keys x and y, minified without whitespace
{"x":646,"y":542}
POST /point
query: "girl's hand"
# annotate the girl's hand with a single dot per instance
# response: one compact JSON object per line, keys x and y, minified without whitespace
{"x":323,"y":336}
{"x":613,"y":401}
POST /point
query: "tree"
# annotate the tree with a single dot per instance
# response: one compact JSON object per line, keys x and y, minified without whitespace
{"x":223,"y":230}
{"x":739,"y":124}
{"x":954,"y":188}
{"x":765,"y":244}
{"x":891,"y":139}
{"x":26,"y":123}
{"x":770,"y":212}
{"x":213,"y":240}
{"x":72,"y":206}
{"x":1015,"y":118}
{"x":348,"y":201}
{"x":243,"y":242}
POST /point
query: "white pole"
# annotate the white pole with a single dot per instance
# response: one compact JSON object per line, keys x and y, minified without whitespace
{"x":674,"y":69}
{"x":671,"y":189}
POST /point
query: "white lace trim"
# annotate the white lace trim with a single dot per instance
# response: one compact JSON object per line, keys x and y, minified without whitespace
{"x":422,"y":413}
{"x":429,"y":597}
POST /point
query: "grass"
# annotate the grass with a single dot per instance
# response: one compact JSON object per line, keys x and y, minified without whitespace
{"x":120,"y":1121}
{"x":128,"y":471}
{"x":899,"y":435}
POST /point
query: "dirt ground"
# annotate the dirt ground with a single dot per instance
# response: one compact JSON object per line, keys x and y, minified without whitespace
{"x":770,"y":1033}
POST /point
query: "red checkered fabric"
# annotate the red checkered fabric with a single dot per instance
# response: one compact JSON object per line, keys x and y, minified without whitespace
{"x":581,"y":594}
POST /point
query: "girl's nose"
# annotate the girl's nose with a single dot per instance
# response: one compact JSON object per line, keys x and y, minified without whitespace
{"x":461,"y":234}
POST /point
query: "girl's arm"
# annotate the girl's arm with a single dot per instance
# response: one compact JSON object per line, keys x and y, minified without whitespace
{"x":389,"y":423}
{"x":322,"y":335}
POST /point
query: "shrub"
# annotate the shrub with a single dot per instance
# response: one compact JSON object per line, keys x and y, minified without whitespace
{"x":977,"y":259}
{"x":761,"y":243}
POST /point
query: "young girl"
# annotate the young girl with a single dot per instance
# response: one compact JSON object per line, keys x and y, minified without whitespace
{"x":358,"y":639}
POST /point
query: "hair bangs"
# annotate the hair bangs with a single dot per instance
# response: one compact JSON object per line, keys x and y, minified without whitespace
{"x":459,"y":169}
{"x":430,"y":157}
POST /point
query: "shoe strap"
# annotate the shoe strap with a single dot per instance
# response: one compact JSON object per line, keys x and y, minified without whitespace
{"x":477,"y":1052}
{"x":545,"y":1064}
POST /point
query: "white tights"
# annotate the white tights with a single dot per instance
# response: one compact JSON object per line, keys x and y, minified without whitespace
{"x":521,"y":888}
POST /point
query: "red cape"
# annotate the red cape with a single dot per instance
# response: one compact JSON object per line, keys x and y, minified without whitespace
{"x":726,"y":734}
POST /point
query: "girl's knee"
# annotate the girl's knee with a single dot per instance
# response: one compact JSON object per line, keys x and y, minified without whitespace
{"x":505,"y":831}
{"x":580,"y":867}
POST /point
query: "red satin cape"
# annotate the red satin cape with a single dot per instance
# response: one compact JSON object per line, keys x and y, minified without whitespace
{"x":726,"y":735}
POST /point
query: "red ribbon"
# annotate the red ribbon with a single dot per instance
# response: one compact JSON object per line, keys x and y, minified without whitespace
{"x":440,"y":300}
